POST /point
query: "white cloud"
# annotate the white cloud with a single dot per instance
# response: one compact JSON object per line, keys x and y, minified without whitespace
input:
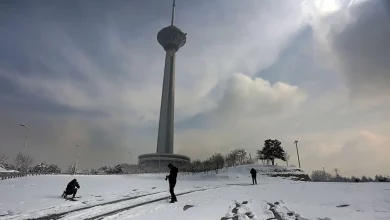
{"x":248,"y":107}
{"x":256,"y":97}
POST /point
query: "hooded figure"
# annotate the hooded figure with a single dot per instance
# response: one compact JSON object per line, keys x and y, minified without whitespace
{"x":253,"y":174}
{"x":172,"y":181}
{"x":71,"y":189}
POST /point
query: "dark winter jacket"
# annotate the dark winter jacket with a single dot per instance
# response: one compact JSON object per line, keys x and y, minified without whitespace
{"x":72,"y":185}
{"x":173,"y":174}
{"x":253,"y":172}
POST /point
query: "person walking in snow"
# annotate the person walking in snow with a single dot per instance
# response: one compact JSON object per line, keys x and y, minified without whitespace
{"x":71,"y":189}
{"x":253,"y":174}
{"x":172,"y":181}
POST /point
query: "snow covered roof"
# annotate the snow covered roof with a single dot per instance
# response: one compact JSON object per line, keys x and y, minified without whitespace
{"x":3,"y":170}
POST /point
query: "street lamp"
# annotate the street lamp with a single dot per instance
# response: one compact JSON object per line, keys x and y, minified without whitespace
{"x":77,"y":160}
{"x":28,"y":133}
{"x":129,"y":157}
{"x":296,"y":145}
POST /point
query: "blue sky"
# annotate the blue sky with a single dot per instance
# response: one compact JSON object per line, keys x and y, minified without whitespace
{"x":90,"y":73}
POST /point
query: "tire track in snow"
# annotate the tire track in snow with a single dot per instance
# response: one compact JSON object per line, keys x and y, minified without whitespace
{"x":68,"y":214}
{"x":102,"y":216}
{"x":73,"y":213}
{"x":63,"y":214}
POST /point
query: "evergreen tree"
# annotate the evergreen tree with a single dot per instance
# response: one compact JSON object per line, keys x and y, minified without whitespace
{"x":273,"y":150}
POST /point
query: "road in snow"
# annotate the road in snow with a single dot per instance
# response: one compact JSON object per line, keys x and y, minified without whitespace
{"x":221,"y":196}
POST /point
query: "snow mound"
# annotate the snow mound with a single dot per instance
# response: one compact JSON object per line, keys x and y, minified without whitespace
{"x":243,"y":172}
{"x":291,"y":173}
{"x":264,"y":169}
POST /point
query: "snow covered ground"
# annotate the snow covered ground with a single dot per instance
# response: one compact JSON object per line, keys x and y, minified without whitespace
{"x":228,"y":195}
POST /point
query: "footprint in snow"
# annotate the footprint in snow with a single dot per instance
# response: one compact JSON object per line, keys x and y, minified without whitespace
{"x":280,"y":211}
{"x":187,"y":207}
{"x":239,"y":211}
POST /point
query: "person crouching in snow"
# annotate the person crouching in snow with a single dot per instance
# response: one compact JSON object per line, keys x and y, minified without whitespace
{"x":71,"y":189}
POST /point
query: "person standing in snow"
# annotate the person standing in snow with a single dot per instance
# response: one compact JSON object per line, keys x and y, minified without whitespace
{"x":71,"y":189}
{"x":253,"y":174}
{"x":172,"y":181}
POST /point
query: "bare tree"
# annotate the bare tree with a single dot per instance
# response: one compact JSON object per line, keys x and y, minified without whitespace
{"x":249,"y":159}
{"x":230,"y":160}
{"x":241,"y":155}
{"x":71,"y":169}
{"x":22,"y":162}
{"x":260,"y":156}
{"x":3,"y":158}
{"x":197,"y":165}
{"x":207,"y":166}
{"x":287,"y":157}
{"x":217,"y":161}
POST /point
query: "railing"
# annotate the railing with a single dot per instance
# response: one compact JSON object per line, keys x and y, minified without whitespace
{"x":12,"y":175}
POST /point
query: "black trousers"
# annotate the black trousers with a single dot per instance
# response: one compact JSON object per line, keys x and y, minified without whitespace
{"x":254,"y":180}
{"x":70,"y":192}
{"x":172,"y":185}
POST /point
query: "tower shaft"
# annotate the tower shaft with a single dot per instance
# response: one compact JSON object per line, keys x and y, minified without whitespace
{"x":166,"y":123}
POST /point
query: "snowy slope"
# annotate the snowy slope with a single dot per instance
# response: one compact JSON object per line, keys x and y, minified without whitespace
{"x":213,"y":196}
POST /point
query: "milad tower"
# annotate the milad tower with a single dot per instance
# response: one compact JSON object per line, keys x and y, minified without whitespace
{"x":171,"y":38}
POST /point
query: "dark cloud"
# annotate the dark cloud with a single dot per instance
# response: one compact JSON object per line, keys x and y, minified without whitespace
{"x":300,"y":64}
{"x":363,"y":48}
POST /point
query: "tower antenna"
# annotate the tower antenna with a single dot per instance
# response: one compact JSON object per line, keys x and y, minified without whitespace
{"x":173,"y":12}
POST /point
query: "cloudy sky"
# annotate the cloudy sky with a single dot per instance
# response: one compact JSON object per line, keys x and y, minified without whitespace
{"x":90,"y":73}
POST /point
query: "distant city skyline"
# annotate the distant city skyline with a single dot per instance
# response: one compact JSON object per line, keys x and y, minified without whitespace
{"x":90,"y":74}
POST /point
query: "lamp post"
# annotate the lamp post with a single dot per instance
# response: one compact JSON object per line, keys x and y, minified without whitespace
{"x":28,"y":133}
{"x":77,"y":160}
{"x":296,"y":145}
{"x":129,"y":157}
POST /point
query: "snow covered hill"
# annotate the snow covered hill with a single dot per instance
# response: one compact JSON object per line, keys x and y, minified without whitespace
{"x":242,"y":171}
{"x":226,"y":195}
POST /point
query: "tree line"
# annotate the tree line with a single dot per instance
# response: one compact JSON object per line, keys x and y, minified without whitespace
{"x":22,"y":163}
{"x":323,"y":176}
{"x":271,"y":151}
